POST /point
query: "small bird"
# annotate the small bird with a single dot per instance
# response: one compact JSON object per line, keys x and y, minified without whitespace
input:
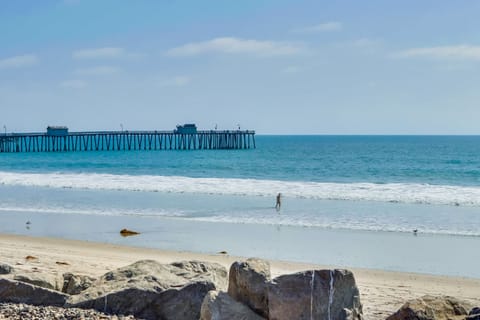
{"x":415,"y":231}
{"x":28,"y":222}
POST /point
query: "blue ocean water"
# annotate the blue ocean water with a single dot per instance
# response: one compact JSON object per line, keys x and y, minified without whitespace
{"x":361,"y":189}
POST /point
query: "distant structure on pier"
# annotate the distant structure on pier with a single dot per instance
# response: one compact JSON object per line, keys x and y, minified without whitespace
{"x":57,"y":131}
{"x":188,"y":128}
{"x":184,"y":137}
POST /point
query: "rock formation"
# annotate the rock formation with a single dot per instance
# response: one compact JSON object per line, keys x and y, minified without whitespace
{"x":6,"y":269}
{"x":248,"y":282}
{"x":220,"y":306}
{"x":21,"y":292}
{"x":317,"y":294}
{"x":74,"y":284}
{"x":150,"y":290}
{"x":432,"y":308}
{"x":193,"y":290}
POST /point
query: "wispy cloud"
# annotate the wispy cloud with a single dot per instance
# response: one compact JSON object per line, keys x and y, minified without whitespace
{"x":97,"y":71}
{"x":98,"y":53}
{"x":461,"y":52}
{"x":322,"y":27}
{"x":74,"y":84}
{"x":178,"y":81}
{"x":21,"y":61}
{"x":291,"y":69}
{"x":236,"y":46}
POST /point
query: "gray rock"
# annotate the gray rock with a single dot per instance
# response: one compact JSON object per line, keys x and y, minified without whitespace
{"x":21,"y":292}
{"x":318,"y":294}
{"x":20,"y":311}
{"x":474,"y":314}
{"x":74,"y":284}
{"x":5,"y":269}
{"x":220,"y":306}
{"x":197,"y":270}
{"x":150,"y":290}
{"x":248,"y":284}
{"x":431,"y":308}
{"x":44,"y":280}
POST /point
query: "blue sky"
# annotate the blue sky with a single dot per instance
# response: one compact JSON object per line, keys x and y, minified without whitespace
{"x":279,"y":67}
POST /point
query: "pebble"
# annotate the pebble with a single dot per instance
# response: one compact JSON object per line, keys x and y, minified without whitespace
{"x":14,"y":311}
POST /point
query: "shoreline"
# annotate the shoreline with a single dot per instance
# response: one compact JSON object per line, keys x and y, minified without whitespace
{"x":382,"y":292}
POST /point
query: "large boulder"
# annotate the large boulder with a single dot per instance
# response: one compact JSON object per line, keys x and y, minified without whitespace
{"x":150,"y":290}
{"x":248,"y":284}
{"x":41,"y":279}
{"x":21,"y":292}
{"x":317,"y":294}
{"x":220,"y":306}
{"x":432,"y":308}
{"x":74,"y":283}
{"x":5,"y":268}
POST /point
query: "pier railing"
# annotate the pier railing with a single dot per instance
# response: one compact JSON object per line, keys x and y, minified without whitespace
{"x":127,"y":140}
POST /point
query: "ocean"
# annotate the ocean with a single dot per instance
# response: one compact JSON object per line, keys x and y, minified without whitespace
{"x":347,"y":201}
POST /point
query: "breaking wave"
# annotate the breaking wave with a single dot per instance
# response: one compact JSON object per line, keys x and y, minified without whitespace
{"x":388,"y":192}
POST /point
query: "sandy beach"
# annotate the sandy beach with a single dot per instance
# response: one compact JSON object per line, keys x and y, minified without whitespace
{"x":382,"y":292}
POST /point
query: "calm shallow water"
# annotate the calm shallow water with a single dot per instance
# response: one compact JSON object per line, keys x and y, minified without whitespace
{"x":348,"y":201}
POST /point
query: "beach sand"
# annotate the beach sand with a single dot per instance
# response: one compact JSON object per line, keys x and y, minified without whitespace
{"x":382,"y":292}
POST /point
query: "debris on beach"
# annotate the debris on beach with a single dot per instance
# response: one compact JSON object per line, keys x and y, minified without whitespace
{"x":30,"y":258}
{"x":222,"y":252}
{"x":128,"y":233}
{"x":62,"y":263}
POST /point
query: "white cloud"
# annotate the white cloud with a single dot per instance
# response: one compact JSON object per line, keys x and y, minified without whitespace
{"x":25,"y":60}
{"x":322,"y":27}
{"x":236,"y":46}
{"x":98,"y":53}
{"x":74,"y":84}
{"x":97,"y":71}
{"x":178,"y":81}
{"x":463,"y":52}
{"x":291,"y":69}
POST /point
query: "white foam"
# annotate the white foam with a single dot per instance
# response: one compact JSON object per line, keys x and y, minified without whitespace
{"x":389,"y":192}
{"x":93,"y":211}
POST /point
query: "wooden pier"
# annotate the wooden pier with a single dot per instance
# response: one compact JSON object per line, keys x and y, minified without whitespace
{"x":127,"y":140}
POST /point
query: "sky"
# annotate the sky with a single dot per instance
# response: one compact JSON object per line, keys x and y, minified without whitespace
{"x":274,"y":66}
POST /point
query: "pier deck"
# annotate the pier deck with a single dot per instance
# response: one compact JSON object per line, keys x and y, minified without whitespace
{"x":127,"y":140}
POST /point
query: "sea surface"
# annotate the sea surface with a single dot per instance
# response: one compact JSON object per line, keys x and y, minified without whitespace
{"x":347,"y":201}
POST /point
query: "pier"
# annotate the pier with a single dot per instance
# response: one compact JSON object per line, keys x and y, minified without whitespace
{"x":58,"y":139}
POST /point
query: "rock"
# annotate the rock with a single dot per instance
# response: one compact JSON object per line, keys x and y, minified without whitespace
{"x":5,"y":269}
{"x":74,"y":284}
{"x":128,"y":233}
{"x":44,"y":280}
{"x":21,"y":292}
{"x":318,"y":294}
{"x":248,"y":284}
{"x":431,"y":308}
{"x":20,"y":311}
{"x":202,"y":271}
{"x":150,"y":290}
{"x":474,"y":314}
{"x":220,"y":306}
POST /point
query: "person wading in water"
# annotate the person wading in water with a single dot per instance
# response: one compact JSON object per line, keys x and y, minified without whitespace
{"x":279,"y":201}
